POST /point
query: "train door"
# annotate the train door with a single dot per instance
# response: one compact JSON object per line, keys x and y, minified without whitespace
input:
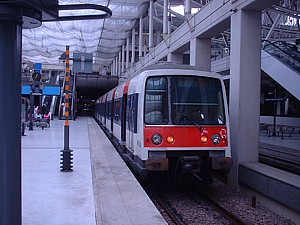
{"x":112,"y":103}
{"x":112,"y":115}
{"x":132,"y":119}
{"x":130,"y":122}
{"x":105,"y":111}
{"x":123,"y":121}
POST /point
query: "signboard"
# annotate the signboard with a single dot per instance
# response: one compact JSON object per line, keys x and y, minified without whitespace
{"x":36,"y":91}
{"x":274,"y":99}
{"x":83,"y":62}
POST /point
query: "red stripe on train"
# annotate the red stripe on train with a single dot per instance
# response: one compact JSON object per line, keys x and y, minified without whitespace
{"x":185,"y":136}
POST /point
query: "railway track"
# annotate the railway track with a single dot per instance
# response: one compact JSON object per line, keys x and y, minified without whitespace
{"x":192,"y":207}
{"x":282,"y":158}
{"x":232,"y":217}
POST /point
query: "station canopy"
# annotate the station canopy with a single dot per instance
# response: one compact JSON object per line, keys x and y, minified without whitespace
{"x":103,"y":38}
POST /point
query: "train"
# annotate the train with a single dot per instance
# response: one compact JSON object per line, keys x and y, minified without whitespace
{"x":171,"y":120}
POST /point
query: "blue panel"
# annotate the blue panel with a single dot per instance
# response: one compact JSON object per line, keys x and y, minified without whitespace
{"x":25,"y":90}
{"x":38,"y":66}
{"x":51,"y":90}
{"x":47,"y":90}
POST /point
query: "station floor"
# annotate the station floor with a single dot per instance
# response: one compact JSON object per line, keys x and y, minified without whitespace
{"x":99,"y":190}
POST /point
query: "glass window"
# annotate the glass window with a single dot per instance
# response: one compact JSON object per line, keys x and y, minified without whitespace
{"x":156,"y":100}
{"x":196,"y":100}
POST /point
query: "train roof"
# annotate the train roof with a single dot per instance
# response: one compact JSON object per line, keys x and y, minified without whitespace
{"x":168,"y":65}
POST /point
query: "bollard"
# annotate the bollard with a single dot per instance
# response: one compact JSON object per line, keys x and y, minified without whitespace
{"x":66,"y":160}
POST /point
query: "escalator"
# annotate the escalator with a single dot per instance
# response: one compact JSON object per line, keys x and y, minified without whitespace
{"x":281,"y":61}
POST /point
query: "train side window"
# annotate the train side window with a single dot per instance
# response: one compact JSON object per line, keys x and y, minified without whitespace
{"x":109,"y":110}
{"x":156,"y":101}
{"x":117,"y":110}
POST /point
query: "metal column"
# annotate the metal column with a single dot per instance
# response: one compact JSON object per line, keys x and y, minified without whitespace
{"x":10,"y":117}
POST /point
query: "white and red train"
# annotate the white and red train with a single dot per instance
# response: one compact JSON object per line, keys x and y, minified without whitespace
{"x":170,"y":119}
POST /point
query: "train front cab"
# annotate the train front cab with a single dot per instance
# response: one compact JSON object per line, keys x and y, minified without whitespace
{"x":185,"y":125}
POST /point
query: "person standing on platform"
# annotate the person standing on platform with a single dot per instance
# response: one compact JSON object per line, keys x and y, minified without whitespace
{"x":47,"y":116}
{"x":44,"y":109}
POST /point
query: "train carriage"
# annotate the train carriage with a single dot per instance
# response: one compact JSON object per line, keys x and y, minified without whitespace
{"x":170,"y":119}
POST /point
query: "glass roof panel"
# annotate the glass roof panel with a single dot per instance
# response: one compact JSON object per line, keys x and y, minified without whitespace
{"x":47,"y":43}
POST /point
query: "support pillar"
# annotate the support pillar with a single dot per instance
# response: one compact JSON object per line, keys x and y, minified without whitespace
{"x":10,"y":118}
{"x":175,"y":57}
{"x":133,"y":47}
{"x":123,"y":59}
{"x":141,"y":38}
{"x":119,"y":63}
{"x":112,"y":68}
{"x":158,"y":36}
{"x":151,"y":25}
{"x":245,"y":76}
{"x":200,"y":53}
{"x":165,"y":18}
{"x":127,"y":53}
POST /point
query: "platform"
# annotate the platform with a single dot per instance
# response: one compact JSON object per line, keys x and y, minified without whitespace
{"x":279,"y":190}
{"x":100,"y":190}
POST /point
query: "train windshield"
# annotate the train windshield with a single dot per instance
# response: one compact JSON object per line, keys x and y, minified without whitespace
{"x":193,"y":100}
{"x":156,"y":101}
{"x":196,"y":100}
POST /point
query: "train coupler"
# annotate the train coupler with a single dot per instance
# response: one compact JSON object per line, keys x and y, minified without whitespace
{"x":190,"y":164}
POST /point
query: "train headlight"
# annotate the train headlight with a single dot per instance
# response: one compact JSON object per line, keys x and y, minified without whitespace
{"x":170,"y":139}
{"x":216,"y":139}
{"x":204,"y":139}
{"x":156,"y":139}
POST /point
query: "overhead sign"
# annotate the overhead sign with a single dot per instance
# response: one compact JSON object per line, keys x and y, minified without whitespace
{"x":36,"y":91}
{"x":83,"y":62}
{"x":274,"y":99}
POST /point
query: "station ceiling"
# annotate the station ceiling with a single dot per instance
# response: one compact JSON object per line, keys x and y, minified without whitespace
{"x":102,"y":37}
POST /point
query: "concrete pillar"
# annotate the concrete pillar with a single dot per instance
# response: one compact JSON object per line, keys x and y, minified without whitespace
{"x":119,"y":63}
{"x":151,"y":24}
{"x":133,"y":47}
{"x":141,"y":38}
{"x":158,"y":36}
{"x":187,"y":8}
{"x":286,"y":107}
{"x":123,"y":59}
{"x":127,"y":53}
{"x":145,"y":46}
{"x":165,"y":18}
{"x":175,"y":57}
{"x":200,"y":52}
{"x":169,"y":25}
{"x":10,"y":117}
{"x":116,"y":66}
{"x":245,"y":76}
{"x":113,"y":68}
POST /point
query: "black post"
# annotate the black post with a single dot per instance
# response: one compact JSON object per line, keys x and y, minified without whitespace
{"x":10,"y":119}
{"x":31,"y":110}
{"x":275,"y":113}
